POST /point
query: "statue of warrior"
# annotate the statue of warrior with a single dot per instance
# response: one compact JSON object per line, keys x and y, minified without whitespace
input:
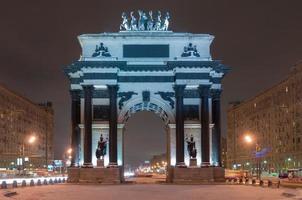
{"x":125,"y":23}
{"x":101,"y":149}
{"x":133,"y":23}
{"x":191,"y":147}
{"x":166,"y":22}
{"x":157,"y":25}
{"x":142,"y":22}
{"x":150,"y":22}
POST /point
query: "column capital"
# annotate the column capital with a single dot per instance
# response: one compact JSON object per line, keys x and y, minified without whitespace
{"x":204,"y":90}
{"x":215,"y":94}
{"x":87,"y":87}
{"x":179,"y":90}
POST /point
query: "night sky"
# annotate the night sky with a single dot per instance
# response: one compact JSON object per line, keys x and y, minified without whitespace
{"x":259,"y":40}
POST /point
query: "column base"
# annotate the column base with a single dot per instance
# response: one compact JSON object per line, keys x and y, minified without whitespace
{"x":205,"y":164}
{"x":87,"y":165}
{"x":95,"y":175}
{"x":113,"y":165}
{"x":181,"y":165}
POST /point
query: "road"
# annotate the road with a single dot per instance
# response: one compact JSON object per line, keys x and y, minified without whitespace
{"x":147,"y":180}
{"x":151,"y":192}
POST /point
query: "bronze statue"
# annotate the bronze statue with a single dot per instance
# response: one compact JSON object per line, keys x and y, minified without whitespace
{"x":191,"y":147}
{"x":101,"y":51}
{"x":190,"y":51}
{"x":101,"y":149}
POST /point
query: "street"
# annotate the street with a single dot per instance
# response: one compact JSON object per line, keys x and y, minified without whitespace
{"x":151,"y":192}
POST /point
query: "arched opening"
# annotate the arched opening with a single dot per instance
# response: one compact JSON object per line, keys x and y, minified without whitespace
{"x":145,"y":147}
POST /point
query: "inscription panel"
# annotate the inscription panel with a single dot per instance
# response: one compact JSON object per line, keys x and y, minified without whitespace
{"x":146,"y":51}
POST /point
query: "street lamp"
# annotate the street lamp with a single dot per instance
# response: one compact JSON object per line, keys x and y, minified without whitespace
{"x":288,"y":162}
{"x":30,"y":141}
{"x":69,"y":150}
{"x":67,"y":157}
{"x":250,"y":139}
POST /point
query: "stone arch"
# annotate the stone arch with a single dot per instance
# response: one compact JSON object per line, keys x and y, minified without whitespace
{"x":155,"y":105}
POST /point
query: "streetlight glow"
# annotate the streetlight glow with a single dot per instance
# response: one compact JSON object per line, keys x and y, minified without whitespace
{"x":69,"y":150}
{"x":32,"y":139}
{"x":248,"y":139}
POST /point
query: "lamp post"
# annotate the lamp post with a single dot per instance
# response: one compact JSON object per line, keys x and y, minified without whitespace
{"x":288,"y":162}
{"x":250,"y":139}
{"x":30,"y":141}
{"x":67,"y":159}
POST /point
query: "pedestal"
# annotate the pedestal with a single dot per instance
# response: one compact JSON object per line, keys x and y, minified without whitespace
{"x":100,"y":163}
{"x":95,"y":175}
{"x":195,"y":175}
{"x":193,"y":162}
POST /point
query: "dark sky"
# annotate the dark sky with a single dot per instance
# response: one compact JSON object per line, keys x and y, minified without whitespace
{"x":260,"y":41}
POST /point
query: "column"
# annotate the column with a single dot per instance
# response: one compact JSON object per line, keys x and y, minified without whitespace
{"x":88,"y":91}
{"x":217,"y":126}
{"x":75,"y":121}
{"x":204,"y":91}
{"x":179,"y":94}
{"x":112,"y":89}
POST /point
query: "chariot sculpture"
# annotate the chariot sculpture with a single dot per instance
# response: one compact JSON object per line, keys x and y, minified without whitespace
{"x":145,"y":22}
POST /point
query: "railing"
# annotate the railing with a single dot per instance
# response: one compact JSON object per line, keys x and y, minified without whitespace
{"x":273,"y":183}
{"x":23,"y":182}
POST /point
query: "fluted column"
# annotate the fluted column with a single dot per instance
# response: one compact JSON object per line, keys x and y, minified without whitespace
{"x":88,"y":91}
{"x":179,"y":94}
{"x":75,"y":121}
{"x":204,"y":91}
{"x":216,"y":136}
{"x":113,"y":125}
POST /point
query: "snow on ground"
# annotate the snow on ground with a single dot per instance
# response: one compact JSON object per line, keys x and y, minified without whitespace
{"x":151,"y":192}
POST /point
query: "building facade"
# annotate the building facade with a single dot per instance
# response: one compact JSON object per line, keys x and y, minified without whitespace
{"x":26,"y":132}
{"x":273,"y":119}
{"x":170,"y":74}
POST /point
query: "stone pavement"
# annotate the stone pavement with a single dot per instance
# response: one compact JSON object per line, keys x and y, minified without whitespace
{"x":152,"y":192}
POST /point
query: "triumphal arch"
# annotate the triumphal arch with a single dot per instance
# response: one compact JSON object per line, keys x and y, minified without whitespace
{"x":145,"y":66}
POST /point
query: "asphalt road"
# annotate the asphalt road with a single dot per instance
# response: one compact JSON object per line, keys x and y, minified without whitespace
{"x":151,"y":192}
